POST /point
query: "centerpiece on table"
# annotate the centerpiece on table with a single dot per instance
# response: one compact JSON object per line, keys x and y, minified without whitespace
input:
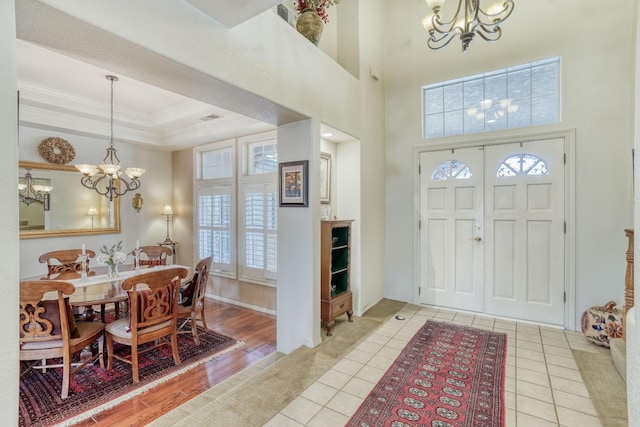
{"x":112,"y":257}
{"x":312,"y":17}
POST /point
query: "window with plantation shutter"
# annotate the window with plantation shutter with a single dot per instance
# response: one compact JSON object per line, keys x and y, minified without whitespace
{"x":259,"y":231}
{"x":215,"y":227}
{"x":237,"y":207}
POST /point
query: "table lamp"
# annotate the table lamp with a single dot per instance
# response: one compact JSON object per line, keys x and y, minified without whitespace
{"x":168,"y":212}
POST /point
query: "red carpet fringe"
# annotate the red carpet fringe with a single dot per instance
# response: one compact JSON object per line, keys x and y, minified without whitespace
{"x":447,"y":376}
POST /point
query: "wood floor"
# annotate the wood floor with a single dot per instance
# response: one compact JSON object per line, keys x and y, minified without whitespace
{"x":257,"y":330}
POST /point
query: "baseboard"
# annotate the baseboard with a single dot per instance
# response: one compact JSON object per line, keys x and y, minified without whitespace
{"x":242,"y":304}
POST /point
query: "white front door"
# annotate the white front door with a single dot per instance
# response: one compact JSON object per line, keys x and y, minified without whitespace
{"x":524,"y":229}
{"x":451,"y":228}
{"x":492,"y":230}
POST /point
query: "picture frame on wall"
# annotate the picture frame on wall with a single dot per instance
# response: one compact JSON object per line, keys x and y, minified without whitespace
{"x":325,"y":178}
{"x":294,"y":183}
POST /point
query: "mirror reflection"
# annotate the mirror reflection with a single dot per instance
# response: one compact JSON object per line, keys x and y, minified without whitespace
{"x":67,"y":208}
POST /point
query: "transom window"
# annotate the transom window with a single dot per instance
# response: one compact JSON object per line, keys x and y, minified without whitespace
{"x":523,"y":95}
{"x":451,"y":169}
{"x":523,"y":164}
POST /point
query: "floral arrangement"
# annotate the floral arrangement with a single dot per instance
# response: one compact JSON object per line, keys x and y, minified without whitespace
{"x":112,"y":256}
{"x":319,"y":6}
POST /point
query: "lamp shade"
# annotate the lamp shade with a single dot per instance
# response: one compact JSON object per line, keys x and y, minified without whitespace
{"x":92,"y":211}
{"x":167,"y":210}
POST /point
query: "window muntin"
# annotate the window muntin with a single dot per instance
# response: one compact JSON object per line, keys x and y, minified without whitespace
{"x":216,"y":164}
{"x":523,"y":95}
{"x":263,"y":158}
{"x":522,"y":164}
{"x":451,"y":169}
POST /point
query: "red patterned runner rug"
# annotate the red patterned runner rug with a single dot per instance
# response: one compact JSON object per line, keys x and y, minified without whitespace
{"x":447,"y":376}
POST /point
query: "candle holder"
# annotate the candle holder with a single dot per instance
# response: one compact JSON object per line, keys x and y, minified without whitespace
{"x":137,"y":261}
{"x":83,"y":261}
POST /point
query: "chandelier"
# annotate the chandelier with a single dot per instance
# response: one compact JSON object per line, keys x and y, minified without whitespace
{"x":467,"y":22}
{"x":28,"y":192}
{"x":107,"y":180}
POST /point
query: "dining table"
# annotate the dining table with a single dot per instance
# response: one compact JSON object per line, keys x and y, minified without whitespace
{"x":99,"y":289}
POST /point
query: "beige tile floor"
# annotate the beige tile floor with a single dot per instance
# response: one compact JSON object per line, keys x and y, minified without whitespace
{"x":543,"y":384}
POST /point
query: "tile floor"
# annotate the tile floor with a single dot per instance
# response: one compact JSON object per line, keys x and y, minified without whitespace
{"x":543,"y":384}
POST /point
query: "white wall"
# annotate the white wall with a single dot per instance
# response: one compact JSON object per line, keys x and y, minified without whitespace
{"x":147,"y":226}
{"x":373,"y":17}
{"x":9,"y":375}
{"x":596,"y":100}
{"x":298,"y":293}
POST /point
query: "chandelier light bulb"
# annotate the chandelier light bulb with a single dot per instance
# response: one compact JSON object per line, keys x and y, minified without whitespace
{"x":435,"y":5}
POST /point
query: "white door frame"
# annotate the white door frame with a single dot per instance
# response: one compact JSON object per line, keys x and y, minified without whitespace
{"x":466,"y":141}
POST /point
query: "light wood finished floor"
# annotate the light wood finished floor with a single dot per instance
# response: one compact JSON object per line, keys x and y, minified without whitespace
{"x":257,"y":330}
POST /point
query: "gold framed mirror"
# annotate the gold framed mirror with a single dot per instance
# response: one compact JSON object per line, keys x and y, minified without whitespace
{"x":70,"y":209}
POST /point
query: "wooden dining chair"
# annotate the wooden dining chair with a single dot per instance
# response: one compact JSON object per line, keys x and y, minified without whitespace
{"x":47,"y":329}
{"x":153,"y":301}
{"x":65,"y":260}
{"x":192,"y":300}
{"x":152,"y":255}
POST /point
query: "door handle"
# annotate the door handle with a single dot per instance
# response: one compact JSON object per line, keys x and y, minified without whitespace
{"x":478,"y":239}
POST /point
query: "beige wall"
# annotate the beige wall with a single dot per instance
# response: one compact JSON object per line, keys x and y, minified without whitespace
{"x":596,"y":99}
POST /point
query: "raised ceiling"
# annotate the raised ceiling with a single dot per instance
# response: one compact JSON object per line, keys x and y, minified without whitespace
{"x":64,"y":94}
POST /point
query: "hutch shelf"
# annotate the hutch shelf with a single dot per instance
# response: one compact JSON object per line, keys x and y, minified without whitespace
{"x":335,"y":287}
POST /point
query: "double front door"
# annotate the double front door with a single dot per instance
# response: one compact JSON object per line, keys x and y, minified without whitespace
{"x":492,"y":229}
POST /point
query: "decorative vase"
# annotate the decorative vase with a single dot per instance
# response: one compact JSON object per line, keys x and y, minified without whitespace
{"x":310,"y":25}
{"x":112,"y":271}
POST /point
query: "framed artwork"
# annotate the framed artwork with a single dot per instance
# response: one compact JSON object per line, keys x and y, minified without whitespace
{"x":294,"y":184}
{"x":325,"y":178}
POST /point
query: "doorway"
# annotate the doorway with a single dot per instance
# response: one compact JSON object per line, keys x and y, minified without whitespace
{"x":492,"y":229}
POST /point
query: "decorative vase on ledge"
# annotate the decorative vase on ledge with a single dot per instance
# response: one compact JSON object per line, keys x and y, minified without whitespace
{"x":310,"y":25}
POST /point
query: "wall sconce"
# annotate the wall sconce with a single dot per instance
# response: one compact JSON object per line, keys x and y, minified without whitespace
{"x":168,"y":212}
{"x":137,"y":202}
{"x":92,"y":212}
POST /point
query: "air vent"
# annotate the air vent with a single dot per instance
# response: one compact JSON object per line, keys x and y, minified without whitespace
{"x":209,"y":117}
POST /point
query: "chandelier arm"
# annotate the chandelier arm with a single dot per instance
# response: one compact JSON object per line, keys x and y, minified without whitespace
{"x":491,"y":34}
{"x":128,"y":186}
{"x":437,"y":43}
{"x":88,"y":182}
{"x":501,"y":15}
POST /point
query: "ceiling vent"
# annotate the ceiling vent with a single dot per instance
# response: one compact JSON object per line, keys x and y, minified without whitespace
{"x":209,"y":117}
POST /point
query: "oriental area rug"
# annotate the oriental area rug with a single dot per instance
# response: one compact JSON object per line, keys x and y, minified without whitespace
{"x":446,"y":376}
{"x":94,"y":389}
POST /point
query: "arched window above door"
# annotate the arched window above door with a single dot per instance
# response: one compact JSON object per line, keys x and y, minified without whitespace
{"x":451,"y":169}
{"x":522,"y":164}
